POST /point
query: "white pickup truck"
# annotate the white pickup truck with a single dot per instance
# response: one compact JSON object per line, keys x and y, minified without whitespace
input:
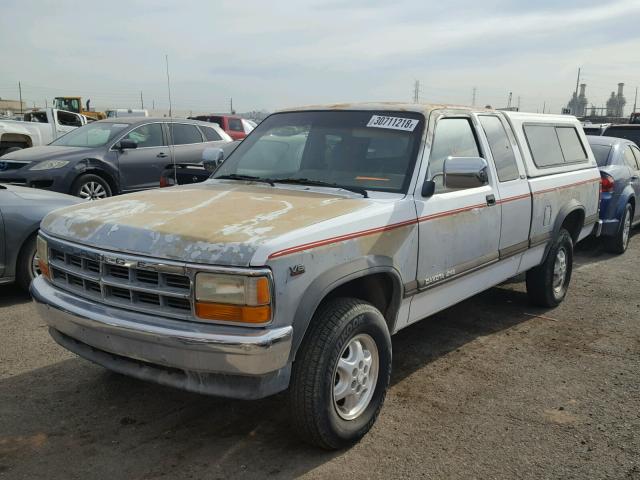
{"x":39,"y":127}
{"x":325,"y":232}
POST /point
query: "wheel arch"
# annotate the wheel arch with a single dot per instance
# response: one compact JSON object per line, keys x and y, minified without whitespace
{"x":100,"y":168}
{"x":378,"y":283}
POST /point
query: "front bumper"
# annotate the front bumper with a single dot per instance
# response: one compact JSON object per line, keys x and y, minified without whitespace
{"x":211,"y":359}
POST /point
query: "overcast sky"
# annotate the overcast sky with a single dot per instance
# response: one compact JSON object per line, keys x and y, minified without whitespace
{"x":274,"y":54}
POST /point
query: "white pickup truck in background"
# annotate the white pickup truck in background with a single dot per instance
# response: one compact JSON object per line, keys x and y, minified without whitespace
{"x":39,"y":127}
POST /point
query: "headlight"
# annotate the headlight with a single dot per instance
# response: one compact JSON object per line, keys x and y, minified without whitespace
{"x":49,"y":165}
{"x":42,"y":251}
{"x":233,"y":298}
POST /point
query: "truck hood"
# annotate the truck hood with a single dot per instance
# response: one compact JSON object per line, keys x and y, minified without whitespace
{"x":215,"y":222}
{"x":47,"y":152}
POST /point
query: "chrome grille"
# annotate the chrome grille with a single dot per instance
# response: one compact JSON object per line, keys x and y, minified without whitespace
{"x":138,"y":285}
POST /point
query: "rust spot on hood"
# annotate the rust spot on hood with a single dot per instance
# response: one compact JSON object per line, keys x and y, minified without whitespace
{"x":216,"y":221}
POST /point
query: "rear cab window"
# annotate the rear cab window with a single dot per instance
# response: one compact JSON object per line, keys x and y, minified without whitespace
{"x":235,"y":124}
{"x":554,"y":145}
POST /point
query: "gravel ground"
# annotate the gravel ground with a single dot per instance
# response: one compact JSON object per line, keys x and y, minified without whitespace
{"x":491,"y":388}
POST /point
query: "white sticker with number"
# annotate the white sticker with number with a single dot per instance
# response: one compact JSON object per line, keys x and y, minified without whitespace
{"x":395,"y":123}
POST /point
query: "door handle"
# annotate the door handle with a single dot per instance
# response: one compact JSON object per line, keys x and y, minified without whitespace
{"x":491,"y":200}
{"x":162,"y":155}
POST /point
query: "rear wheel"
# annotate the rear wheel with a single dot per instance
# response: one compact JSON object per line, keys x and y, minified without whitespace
{"x":620,"y":242}
{"x":547,"y":283}
{"x":341,"y":374}
{"x":27,"y":266}
{"x":91,"y":187}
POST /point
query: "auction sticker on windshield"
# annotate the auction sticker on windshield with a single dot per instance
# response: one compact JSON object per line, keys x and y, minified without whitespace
{"x":395,"y":123}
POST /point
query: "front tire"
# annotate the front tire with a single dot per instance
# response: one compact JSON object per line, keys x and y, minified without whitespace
{"x":91,"y":187}
{"x":547,"y":283}
{"x":619,"y":243}
{"x":341,"y":374}
{"x":27,"y":267}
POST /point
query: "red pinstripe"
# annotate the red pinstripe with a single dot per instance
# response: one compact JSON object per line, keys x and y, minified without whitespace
{"x":386,"y":228}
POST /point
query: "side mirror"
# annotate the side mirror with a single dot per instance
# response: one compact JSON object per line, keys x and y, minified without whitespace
{"x":212,"y":158}
{"x":465,"y":172}
{"x":125,"y":144}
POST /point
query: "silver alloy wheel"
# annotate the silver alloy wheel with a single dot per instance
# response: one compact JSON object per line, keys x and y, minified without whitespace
{"x":626,"y":228}
{"x":559,"y":271}
{"x":92,"y":191}
{"x":355,"y":376}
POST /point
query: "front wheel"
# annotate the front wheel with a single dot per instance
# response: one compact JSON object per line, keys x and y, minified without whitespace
{"x":91,"y":187}
{"x":27,"y":267}
{"x":341,"y":374}
{"x":547,"y":283}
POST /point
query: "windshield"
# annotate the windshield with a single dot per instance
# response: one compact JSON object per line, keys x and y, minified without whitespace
{"x":96,"y":134}
{"x":601,"y":152}
{"x":354,"y":150}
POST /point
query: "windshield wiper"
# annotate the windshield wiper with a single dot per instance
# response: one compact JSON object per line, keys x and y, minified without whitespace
{"x":320,"y":183}
{"x":250,"y":178}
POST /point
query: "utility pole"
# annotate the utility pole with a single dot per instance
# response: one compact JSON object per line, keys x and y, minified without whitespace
{"x":635,"y":101}
{"x":20,"y":94}
{"x":166,"y":58}
{"x":518,"y":102}
{"x":509,"y":101}
{"x":46,"y":103}
{"x":473,"y":96}
{"x":153,"y":104}
{"x":231,"y":105}
{"x":544,"y":106}
{"x":416,"y":91}
{"x":141,"y":101}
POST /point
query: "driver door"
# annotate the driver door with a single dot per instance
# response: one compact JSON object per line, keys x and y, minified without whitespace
{"x":140,"y":168}
{"x":459,"y":230}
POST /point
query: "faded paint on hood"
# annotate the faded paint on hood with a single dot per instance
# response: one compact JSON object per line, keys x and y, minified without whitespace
{"x":216,"y":222}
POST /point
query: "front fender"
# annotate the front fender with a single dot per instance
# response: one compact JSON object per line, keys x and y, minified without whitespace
{"x":95,"y":165}
{"x":333,"y":278}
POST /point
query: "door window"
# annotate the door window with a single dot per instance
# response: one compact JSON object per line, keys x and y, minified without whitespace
{"x":629,"y":158}
{"x":453,"y":137}
{"x":68,"y":119}
{"x":210,"y":134}
{"x":184,"y":134}
{"x":501,"y":148}
{"x":146,"y":136}
{"x":636,"y":152}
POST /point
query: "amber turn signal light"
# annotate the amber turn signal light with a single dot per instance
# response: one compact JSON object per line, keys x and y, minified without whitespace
{"x":233,"y":313}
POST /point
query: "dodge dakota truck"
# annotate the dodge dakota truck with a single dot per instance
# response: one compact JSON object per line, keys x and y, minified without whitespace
{"x":326,"y":231}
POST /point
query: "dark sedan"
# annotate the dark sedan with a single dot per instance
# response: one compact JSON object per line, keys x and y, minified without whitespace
{"x":110,"y":157}
{"x":185,"y":173}
{"x":619,"y":162}
{"x":21,"y":211}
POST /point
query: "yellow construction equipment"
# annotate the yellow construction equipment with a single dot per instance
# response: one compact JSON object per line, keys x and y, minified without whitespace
{"x":74,"y":104}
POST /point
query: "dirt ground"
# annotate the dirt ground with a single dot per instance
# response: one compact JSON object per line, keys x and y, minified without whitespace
{"x":491,"y":388}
